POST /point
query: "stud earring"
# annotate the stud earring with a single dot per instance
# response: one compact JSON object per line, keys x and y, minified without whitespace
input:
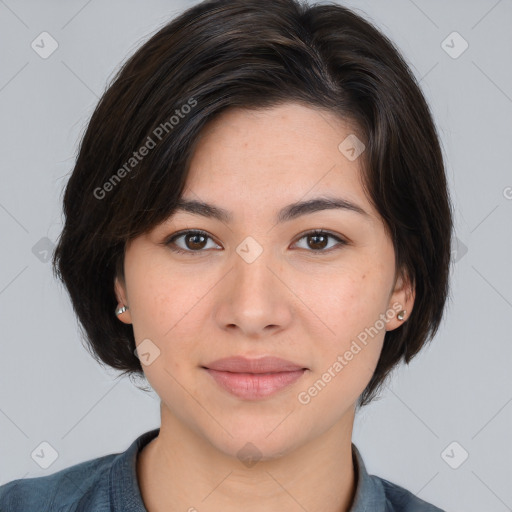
{"x":121,"y":310}
{"x":401,"y":315}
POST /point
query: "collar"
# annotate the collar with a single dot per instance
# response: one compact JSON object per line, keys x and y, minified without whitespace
{"x":125,"y":493}
{"x":369,"y":494}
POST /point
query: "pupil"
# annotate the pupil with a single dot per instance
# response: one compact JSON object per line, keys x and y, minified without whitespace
{"x":195,"y":244}
{"x":314,"y":244}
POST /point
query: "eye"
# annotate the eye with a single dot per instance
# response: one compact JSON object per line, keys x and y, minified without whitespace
{"x":318,"y":240}
{"x":194,"y":241}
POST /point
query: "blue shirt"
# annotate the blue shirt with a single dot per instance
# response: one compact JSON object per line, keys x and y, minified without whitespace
{"x":109,"y":484}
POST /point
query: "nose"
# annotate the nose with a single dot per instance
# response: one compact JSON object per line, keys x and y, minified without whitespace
{"x":254,"y":302}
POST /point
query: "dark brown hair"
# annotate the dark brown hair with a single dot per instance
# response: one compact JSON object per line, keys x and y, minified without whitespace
{"x":253,"y":54}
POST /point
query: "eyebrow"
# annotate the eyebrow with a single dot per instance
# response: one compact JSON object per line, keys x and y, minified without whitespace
{"x":290,"y":212}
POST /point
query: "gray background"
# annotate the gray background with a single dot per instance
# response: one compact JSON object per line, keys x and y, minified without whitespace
{"x":458,"y":389}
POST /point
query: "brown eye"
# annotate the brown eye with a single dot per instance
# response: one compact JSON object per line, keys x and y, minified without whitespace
{"x":196,"y":242}
{"x":193,"y":242}
{"x":318,"y":240}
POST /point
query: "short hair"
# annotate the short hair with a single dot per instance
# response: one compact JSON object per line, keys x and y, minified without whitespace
{"x":252,"y":54}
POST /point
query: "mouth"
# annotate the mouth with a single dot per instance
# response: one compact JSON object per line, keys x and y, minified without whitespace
{"x":254,"y":379}
{"x":267,"y":364}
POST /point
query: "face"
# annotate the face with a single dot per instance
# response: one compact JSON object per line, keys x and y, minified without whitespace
{"x":256,"y":285}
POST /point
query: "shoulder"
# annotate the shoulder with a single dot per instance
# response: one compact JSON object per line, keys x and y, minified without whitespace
{"x":66,"y":490}
{"x":380,"y":495}
{"x":399,"y":499}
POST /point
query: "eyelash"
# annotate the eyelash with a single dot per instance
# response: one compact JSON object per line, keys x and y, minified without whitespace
{"x":169,"y":242}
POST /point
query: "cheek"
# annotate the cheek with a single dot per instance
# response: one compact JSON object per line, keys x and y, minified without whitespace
{"x":348,"y":354}
{"x":160,"y":298}
{"x":168,"y":308}
{"x":165,"y":305}
{"x":351,"y":300}
{"x":352,"y":345}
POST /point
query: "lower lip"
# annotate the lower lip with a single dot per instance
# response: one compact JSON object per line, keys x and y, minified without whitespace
{"x":254,"y":386}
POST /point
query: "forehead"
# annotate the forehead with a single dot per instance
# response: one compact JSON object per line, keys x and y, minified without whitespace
{"x":265,"y":157}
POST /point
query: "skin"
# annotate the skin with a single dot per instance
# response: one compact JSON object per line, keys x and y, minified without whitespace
{"x":293,"y":301}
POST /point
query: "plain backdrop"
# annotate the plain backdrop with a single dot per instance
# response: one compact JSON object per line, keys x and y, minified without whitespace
{"x":442,"y":428}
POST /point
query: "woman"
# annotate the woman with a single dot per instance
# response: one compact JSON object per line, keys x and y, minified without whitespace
{"x":258,"y":222}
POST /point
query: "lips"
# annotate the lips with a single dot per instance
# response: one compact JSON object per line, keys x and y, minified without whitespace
{"x":241,"y":364}
{"x":254,"y":379}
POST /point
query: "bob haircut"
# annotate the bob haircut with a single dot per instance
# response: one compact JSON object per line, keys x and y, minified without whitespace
{"x":134,"y":156}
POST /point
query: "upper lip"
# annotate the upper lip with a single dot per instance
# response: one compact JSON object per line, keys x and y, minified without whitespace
{"x":240,"y":364}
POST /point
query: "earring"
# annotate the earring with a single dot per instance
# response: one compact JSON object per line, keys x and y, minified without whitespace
{"x":121,"y":310}
{"x":401,"y":315}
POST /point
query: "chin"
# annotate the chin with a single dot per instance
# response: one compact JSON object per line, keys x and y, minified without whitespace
{"x":261,"y":443}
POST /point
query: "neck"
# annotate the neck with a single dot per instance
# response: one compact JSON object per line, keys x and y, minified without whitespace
{"x":181,"y":470}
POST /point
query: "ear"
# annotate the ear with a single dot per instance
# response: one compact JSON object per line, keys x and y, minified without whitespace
{"x":401,"y":299}
{"x":121,"y":296}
